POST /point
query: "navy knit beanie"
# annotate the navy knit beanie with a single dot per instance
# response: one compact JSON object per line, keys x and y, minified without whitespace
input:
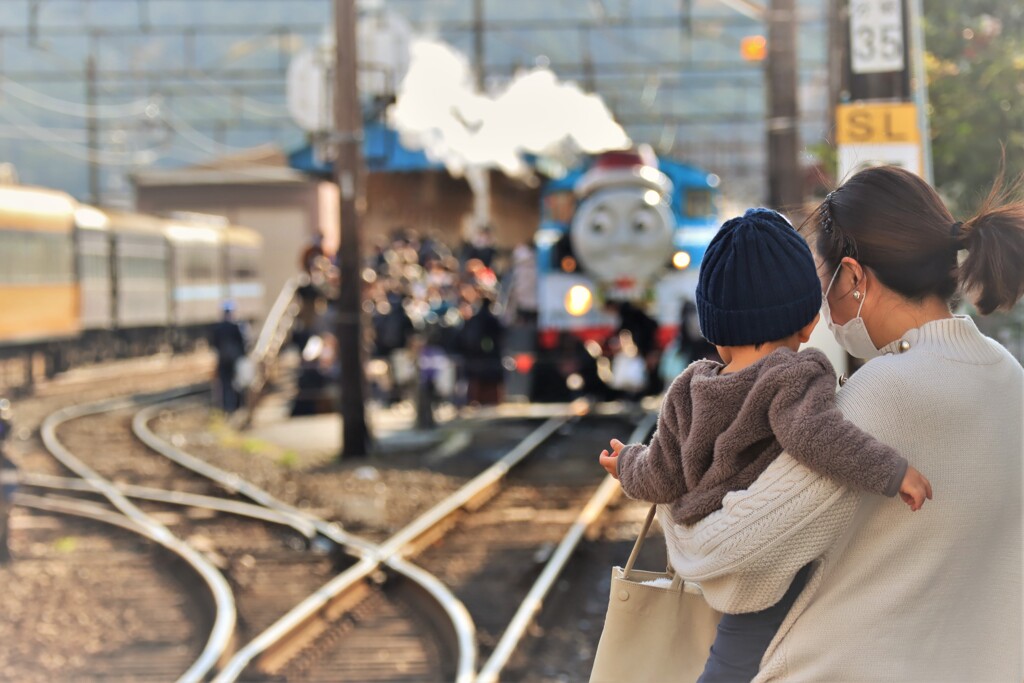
{"x":757,"y":282}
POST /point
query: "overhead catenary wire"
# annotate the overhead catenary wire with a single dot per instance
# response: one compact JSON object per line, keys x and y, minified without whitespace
{"x":148,"y":106}
{"x":237,"y":99}
{"x":74,"y":150}
{"x":199,"y":139}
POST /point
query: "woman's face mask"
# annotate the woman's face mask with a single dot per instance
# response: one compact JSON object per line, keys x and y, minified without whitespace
{"x":852,"y":335}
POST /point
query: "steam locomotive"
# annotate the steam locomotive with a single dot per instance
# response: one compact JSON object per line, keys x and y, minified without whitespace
{"x":627,"y":228}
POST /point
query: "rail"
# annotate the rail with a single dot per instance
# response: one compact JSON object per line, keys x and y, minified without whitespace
{"x":219,"y":641}
{"x":606,"y":493}
{"x":179,"y":498}
{"x":391,"y":553}
{"x":370,"y":559}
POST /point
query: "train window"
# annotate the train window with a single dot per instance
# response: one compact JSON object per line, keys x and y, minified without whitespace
{"x":94,"y":266}
{"x":199,"y":265}
{"x":244,"y":266}
{"x":35,"y":258}
{"x":699,"y":203}
{"x":143,"y":267}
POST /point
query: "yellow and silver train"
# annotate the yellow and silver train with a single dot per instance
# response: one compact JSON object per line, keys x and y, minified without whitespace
{"x":79,"y":283}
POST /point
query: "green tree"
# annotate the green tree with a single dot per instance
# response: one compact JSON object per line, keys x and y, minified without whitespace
{"x":975,"y":66}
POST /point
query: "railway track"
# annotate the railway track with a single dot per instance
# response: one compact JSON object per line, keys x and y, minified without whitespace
{"x":397,"y":633}
{"x":274,"y":578}
{"x":117,"y":570}
{"x":382,"y":617}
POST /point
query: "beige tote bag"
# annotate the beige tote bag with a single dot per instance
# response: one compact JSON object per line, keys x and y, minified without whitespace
{"x":653,"y":634}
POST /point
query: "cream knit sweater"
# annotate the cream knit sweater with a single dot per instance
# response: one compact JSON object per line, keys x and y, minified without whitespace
{"x":894,"y":595}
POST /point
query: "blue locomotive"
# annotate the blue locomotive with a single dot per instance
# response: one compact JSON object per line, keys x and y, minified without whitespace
{"x":626,"y":231}
{"x":626,"y":227}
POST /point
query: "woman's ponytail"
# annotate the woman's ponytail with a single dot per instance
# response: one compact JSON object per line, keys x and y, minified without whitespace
{"x":992,"y":274}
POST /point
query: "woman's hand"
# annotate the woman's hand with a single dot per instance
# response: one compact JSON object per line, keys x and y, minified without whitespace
{"x":915,"y":489}
{"x":610,"y":462}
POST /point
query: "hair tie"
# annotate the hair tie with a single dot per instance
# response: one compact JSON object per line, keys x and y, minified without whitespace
{"x":955,"y":230}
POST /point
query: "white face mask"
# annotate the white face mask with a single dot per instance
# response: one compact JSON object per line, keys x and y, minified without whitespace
{"x":852,"y":335}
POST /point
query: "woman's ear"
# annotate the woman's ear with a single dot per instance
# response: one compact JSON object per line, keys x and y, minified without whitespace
{"x":857,"y":273}
{"x":805,"y":332}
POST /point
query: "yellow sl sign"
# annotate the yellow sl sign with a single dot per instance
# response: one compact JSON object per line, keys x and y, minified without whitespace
{"x":877,"y":123}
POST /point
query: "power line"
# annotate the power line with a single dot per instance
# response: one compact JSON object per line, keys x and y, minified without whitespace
{"x":125,"y":110}
{"x":197,"y":138}
{"x":253,"y":106}
{"x":69,"y":147}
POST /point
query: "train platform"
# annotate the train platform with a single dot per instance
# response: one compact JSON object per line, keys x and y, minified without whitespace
{"x":394,"y":428}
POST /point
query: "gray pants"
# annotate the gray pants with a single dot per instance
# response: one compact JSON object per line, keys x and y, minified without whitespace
{"x":742,"y":639}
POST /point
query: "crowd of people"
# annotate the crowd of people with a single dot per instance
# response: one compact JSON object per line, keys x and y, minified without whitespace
{"x":437,"y":317}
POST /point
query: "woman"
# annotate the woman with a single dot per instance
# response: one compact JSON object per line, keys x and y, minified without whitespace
{"x":932,"y":596}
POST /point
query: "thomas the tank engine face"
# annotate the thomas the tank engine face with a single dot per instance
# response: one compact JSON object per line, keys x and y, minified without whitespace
{"x":622,"y":237}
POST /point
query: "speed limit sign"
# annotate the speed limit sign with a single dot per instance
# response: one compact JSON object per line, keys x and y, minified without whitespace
{"x":876,"y":36}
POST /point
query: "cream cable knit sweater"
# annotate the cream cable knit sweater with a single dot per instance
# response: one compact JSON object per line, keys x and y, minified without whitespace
{"x":895,"y":595}
{"x":718,"y":432}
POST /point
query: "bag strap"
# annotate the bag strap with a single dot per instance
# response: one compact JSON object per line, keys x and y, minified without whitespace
{"x":677,"y":581}
{"x":639,"y":542}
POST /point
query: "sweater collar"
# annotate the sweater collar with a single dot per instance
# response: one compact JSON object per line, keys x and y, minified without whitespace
{"x":956,"y":338}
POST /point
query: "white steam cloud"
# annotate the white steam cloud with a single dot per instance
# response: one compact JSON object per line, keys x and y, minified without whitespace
{"x":439,"y":110}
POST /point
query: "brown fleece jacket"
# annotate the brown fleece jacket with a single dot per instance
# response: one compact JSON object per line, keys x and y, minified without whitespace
{"x":717,"y":433}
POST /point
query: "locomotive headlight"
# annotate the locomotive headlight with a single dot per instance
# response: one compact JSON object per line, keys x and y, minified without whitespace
{"x":578,"y":300}
{"x":681,"y":260}
{"x":652,"y":198}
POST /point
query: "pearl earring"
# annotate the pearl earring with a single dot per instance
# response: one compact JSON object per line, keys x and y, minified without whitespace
{"x":856,"y":295}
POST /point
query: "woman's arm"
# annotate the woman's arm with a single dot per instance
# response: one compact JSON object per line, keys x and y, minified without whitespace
{"x":746,"y":554}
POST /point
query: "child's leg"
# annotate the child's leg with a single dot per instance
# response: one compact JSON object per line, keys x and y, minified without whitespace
{"x":742,"y":639}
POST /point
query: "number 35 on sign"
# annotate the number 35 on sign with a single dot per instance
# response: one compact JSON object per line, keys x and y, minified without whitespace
{"x":876,"y":36}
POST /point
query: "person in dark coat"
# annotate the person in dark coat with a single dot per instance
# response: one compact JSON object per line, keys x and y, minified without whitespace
{"x":641,"y":327}
{"x":479,"y":341}
{"x":480,"y":247}
{"x":393,"y":330}
{"x":692,"y":344}
{"x":7,"y":483}
{"x":228,"y":341}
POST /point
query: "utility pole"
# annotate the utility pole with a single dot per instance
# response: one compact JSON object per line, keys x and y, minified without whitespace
{"x":919,"y":84}
{"x":92,"y":130}
{"x":478,"y":42}
{"x":348,"y":125}
{"x":785,"y":176}
{"x":837,"y":37}
{"x":479,"y":179}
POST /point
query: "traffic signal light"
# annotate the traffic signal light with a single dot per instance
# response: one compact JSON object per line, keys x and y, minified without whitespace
{"x":754,"y":48}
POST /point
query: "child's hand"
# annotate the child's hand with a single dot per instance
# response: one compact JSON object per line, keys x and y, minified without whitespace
{"x":610,"y":462}
{"x":915,"y":489}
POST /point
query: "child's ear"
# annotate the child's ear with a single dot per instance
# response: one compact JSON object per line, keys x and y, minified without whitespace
{"x":805,"y":331}
{"x":724,"y":353}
